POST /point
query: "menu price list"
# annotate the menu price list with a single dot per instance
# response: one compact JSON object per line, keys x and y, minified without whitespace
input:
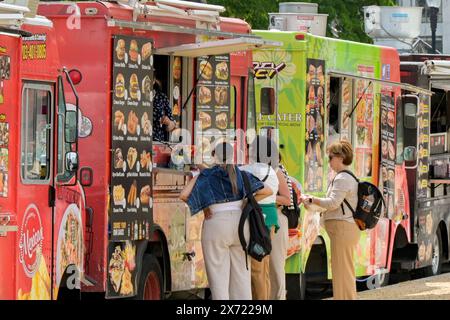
{"x":131,"y":167}
{"x":213,"y":98}
{"x":388,"y":151}
{"x":315,"y":112}
{"x":364,"y":124}
{"x":424,"y":141}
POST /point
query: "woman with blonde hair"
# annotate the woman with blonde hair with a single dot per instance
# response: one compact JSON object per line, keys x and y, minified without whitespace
{"x":339,"y":223}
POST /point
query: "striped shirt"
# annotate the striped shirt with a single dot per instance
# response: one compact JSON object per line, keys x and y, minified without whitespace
{"x":289,"y":183}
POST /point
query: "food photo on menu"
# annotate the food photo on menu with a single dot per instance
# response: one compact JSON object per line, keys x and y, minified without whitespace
{"x":205,"y":70}
{"x":147,"y":89}
{"x":222,"y":121}
{"x":118,"y":159}
{"x":146,"y":124}
{"x":132,"y":123}
{"x":222,"y":71}
{"x":146,"y":160}
{"x":132,"y":156}
{"x":120,"y":86}
{"x":204,"y":95}
{"x":134,"y":51}
{"x":176,"y":69}
{"x":221,"y":95}
{"x":120,"y":49}
{"x":134,"y":87}
{"x":205,"y":119}
{"x":119,"y":121}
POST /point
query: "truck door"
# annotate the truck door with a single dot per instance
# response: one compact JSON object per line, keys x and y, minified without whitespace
{"x":35,"y":212}
{"x":68,"y":203}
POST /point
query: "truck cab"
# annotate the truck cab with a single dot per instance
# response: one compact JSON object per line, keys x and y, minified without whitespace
{"x":42,"y":205}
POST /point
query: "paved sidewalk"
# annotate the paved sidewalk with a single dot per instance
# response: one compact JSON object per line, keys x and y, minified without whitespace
{"x":432,"y":288}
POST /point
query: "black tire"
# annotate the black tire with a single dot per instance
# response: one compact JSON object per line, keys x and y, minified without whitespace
{"x":296,"y":286}
{"x":437,"y":256}
{"x":151,"y":275}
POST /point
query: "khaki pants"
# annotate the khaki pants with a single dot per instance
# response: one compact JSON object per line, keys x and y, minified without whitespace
{"x":278,"y":256}
{"x":260,"y":276}
{"x":225,"y":260}
{"x":344,"y":237}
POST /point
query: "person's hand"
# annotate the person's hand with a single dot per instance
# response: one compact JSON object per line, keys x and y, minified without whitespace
{"x":165,"y":120}
{"x":208,"y":214}
{"x":306,"y":199}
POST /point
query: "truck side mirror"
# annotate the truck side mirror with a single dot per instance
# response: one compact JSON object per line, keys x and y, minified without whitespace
{"x":71,"y":130}
{"x":410,"y":154}
{"x":71,"y":161}
{"x":410,"y":115}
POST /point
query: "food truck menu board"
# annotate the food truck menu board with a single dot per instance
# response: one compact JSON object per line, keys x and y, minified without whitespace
{"x":131,"y":160}
{"x":213,"y":100}
{"x":363,"y":129}
{"x":176,"y":89}
{"x":424,"y":141}
{"x":388,"y":151}
{"x":315,"y":85}
{"x":131,"y":177}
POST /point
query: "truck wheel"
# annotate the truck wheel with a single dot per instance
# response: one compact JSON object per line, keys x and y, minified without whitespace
{"x":151,"y":281}
{"x":296,"y":286}
{"x":436,"y":257}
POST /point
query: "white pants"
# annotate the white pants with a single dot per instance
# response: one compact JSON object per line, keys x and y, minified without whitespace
{"x":278,"y":256}
{"x":225,"y":260}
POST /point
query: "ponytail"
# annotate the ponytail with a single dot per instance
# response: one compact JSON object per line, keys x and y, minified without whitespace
{"x":231,"y":170}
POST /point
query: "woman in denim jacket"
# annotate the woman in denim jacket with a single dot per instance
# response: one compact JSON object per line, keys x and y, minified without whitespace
{"x":219,"y":192}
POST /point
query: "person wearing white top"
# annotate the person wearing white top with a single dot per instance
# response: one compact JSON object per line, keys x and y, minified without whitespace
{"x":261,"y":167}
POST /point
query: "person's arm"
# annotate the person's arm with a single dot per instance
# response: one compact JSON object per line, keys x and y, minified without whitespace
{"x":336,"y":197}
{"x":263,"y":193}
{"x":167,"y":118}
{"x":184,"y":195}
{"x":283,"y":196}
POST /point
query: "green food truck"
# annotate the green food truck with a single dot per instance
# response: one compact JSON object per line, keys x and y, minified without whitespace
{"x":312,"y":91}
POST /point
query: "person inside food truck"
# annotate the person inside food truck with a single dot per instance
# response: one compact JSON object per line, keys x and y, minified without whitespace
{"x":163,"y":121}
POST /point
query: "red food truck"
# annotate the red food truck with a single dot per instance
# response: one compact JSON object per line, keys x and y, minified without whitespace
{"x":41,"y":202}
{"x":141,"y":240}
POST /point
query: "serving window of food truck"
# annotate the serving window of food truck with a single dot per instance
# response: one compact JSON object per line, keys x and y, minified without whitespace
{"x":37,"y":133}
{"x":439,"y":129}
{"x":216,"y":95}
{"x":359,"y":108}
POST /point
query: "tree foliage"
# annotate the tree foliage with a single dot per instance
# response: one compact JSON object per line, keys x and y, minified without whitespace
{"x":348,"y":14}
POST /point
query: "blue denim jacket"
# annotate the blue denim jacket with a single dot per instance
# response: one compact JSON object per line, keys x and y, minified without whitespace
{"x":213,"y":186}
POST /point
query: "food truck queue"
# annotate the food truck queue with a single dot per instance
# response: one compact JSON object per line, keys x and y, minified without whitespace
{"x":113,"y":224}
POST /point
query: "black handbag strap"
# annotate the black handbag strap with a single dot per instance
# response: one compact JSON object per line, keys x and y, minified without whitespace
{"x":245,"y":214}
{"x":345,"y":200}
{"x":268,"y":173}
